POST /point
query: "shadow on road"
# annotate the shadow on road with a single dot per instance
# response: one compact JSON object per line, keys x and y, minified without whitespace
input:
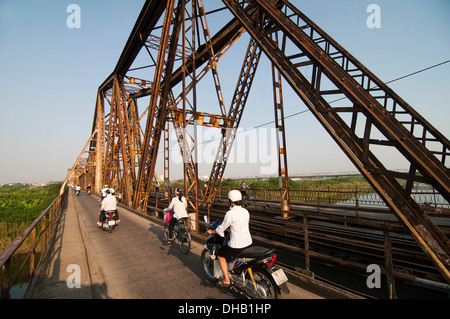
{"x":191,"y":260}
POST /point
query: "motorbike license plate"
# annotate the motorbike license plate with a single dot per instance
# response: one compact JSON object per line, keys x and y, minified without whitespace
{"x":111,"y":222}
{"x":279,"y":276}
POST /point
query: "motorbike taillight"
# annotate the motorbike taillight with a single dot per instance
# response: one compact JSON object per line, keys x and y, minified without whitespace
{"x":270,"y":260}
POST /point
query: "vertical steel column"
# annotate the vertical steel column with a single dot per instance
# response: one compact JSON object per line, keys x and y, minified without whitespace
{"x":99,"y":142}
{"x":194,"y":105}
{"x":281,"y":140}
{"x":111,"y":148}
{"x":158,"y":105}
{"x":125,"y":176}
{"x":189,"y":153}
{"x":306,"y":243}
{"x":389,"y":265}
{"x":166,"y":161}
{"x":242,"y":90}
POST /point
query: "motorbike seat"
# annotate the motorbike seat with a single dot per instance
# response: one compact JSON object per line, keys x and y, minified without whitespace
{"x":254,"y":252}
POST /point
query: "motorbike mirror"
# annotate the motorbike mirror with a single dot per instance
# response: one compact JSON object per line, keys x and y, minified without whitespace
{"x":205,"y":218}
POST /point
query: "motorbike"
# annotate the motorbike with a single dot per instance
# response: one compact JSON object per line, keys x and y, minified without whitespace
{"x":252,"y":272}
{"x":77,"y":192}
{"x":109,"y":221}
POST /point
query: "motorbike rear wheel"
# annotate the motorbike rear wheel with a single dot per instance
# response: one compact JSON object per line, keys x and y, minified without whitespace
{"x":267,"y":288}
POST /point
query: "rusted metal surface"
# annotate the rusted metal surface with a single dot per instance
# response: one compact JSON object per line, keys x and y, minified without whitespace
{"x":283,"y":175}
{"x":181,"y":48}
{"x":236,"y":110}
{"x":316,"y":48}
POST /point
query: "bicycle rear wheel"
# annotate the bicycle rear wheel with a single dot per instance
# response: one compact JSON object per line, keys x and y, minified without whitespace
{"x":184,"y":239}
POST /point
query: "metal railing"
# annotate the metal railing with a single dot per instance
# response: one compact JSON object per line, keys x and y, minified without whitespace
{"x":333,"y":240}
{"x":39,"y":234}
{"x":425,"y":196}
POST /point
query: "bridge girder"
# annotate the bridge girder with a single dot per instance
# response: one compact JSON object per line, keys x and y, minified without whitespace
{"x":372,"y":105}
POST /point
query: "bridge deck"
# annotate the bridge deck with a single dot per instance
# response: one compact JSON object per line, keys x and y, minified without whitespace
{"x":132,"y":262}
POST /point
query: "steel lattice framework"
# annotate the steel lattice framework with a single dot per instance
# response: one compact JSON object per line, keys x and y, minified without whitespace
{"x":174,"y":37}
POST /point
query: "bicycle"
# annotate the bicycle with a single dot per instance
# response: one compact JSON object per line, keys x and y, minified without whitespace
{"x":181,"y":231}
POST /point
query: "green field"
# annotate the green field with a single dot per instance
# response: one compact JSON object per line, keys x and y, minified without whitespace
{"x":323,"y":190}
{"x":272,"y":183}
{"x":20,"y":205}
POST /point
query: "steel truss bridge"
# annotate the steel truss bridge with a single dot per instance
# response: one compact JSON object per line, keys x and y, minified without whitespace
{"x":171,"y":52}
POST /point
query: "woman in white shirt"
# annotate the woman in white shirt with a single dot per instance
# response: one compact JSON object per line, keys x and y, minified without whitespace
{"x":179,"y":206}
{"x":237,"y":219}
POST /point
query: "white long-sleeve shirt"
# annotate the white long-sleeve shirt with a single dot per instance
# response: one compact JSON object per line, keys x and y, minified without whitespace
{"x":179,"y":207}
{"x":237,"y":218}
{"x":109,"y":203}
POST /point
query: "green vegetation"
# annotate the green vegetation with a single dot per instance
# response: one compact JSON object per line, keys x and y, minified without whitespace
{"x":272,"y":183}
{"x":323,"y":190}
{"x":20,"y":205}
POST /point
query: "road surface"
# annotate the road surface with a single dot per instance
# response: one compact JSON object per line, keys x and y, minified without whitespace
{"x":134,"y":261}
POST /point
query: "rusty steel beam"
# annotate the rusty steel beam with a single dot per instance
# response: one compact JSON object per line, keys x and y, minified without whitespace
{"x":126,"y":121}
{"x":220,"y":42}
{"x":283,"y":176}
{"x":96,"y":147}
{"x":146,"y":22}
{"x":309,"y":41}
{"x":111,"y":156}
{"x":158,"y":105}
{"x":235,"y":112}
{"x":292,"y":42}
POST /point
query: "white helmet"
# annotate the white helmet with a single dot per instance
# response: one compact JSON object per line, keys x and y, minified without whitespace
{"x":112,"y":190}
{"x":234,"y":195}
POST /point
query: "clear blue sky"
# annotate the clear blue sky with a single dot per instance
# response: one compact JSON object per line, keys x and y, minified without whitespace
{"x":49,"y":76}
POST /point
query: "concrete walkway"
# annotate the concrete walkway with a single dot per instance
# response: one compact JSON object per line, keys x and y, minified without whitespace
{"x":65,"y":272}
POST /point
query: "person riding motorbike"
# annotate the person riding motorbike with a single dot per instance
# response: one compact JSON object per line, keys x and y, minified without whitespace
{"x":237,"y":219}
{"x":109,"y":203}
{"x":103,"y":192}
{"x":179,"y":206}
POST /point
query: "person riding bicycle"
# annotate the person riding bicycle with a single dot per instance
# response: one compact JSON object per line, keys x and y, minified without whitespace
{"x":237,"y":219}
{"x":179,"y":206}
{"x":109,"y":203}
